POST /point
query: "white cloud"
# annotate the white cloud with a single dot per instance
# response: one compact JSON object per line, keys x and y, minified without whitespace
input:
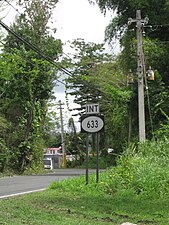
{"x":73,"y":19}
{"x":79,"y":19}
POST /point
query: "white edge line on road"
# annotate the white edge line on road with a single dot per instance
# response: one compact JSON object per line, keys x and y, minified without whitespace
{"x":21,"y":193}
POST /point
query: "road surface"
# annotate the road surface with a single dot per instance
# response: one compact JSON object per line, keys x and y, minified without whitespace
{"x":17,"y":185}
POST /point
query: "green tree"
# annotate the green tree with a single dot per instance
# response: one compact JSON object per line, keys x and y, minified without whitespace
{"x":86,"y":56}
{"x":73,"y":140}
{"x":31,"y":83}
{"x":155,"y":44}
{"x":100,"y":79}
{"x":51,"y":132}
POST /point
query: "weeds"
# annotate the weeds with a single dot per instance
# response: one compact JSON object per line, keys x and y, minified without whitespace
{"x":143,"y":170}
{"x":135,"y":190}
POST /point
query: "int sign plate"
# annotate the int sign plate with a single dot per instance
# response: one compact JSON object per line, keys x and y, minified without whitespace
{"x":92,"y":109}
{"x":92,"y":124}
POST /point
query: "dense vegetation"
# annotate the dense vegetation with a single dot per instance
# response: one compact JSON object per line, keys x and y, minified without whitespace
{"x":31,"y":59}
{"x":27,"y":79}
{"x":155,"y":45}
{"x":140,"y":171}
{"x":135,"y":191}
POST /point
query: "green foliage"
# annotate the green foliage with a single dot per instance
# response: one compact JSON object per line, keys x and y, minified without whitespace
{"x":67,"y":203}
{"x":51,"y":129}
{"x":163,"y":132}
{"x":157,"y":90}
{"x":104,"y":162}
{"x":155,"y":46}
{"x":154,"y":51}
{"x":116,"y":117}
{"x":113,"y":30}
{"x":141,"y":171}
{"x":4,"y":127}
{"x":144,"y":170}
{"x":3,"y":155}
{"x":127,"y":9}
{"x":100,"y":79}
{"x":158,"y":94}
{"x":87,"y":56}
{"x":72,"y":202}
{"x":26,"y":84}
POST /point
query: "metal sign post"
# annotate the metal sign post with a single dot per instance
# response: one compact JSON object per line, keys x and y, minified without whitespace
{"x":97,"y":155}
{"x":87,"y":158}
{"x":92,"y":123}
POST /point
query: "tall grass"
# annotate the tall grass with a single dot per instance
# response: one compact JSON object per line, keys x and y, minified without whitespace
{"x":143,"y":169}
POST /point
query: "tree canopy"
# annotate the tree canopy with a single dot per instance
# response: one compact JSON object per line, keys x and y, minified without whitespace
{"x":27,"y":82}
{"x":31,"y":57}
{"x":155,"y":39}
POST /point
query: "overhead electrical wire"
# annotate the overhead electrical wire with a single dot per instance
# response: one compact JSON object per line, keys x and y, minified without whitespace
{"x":1,"y":5}
{"x":28,"y":60}
{"x":12,"y":6}
{"x":39,"y":35}
{"x":157,"y":25}
{"x":37,"y":50}
{"x":148,"y":97}
{"x":30,"y":24}
{"x":49,"y":59}
{"x":42,"y":54}
{"x":31,"y":45}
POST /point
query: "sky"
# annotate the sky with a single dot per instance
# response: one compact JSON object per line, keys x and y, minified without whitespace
{"x":78,"y":19}
{"x":73,"y":19}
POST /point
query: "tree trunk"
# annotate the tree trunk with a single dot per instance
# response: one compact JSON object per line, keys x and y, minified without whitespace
{"x":30,"y":119}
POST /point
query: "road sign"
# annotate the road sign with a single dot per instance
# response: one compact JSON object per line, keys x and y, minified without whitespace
{"x":92,"y":124}
{"x":92,"y":109}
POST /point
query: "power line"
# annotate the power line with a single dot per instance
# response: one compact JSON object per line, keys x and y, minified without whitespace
{"x":148,"y":98}
{"x":28,"y":60}
{"x":42,"y":54}
{"x":38,"y":68}
{"x":12,"y":6}
{"x":34,"y":48}
{"x":1,"y":5}
{"x":157,"y":25}
{"x":37,"y":50}
{"x":21,"y":39}
{"x":30,"y":24}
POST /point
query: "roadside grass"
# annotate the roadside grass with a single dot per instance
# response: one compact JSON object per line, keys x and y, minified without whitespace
{"x":71,"y":202}
{"x":136,"y":190}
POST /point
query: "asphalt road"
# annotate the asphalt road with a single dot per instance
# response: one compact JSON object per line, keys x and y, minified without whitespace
{"x":17,"y":185}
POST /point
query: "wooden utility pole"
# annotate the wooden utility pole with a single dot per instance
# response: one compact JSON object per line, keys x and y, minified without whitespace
{"x":62,"y":135}
{"x":140,"y":72}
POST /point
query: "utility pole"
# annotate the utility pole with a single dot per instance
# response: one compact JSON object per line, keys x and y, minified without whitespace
{"x":62,"y":135}
{"x":140,"y":72}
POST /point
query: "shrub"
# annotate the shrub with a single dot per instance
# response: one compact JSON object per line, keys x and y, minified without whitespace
{"x":144,"y":169}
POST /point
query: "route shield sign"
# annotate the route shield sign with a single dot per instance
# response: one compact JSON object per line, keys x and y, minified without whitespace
{"x":92,"y":124}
